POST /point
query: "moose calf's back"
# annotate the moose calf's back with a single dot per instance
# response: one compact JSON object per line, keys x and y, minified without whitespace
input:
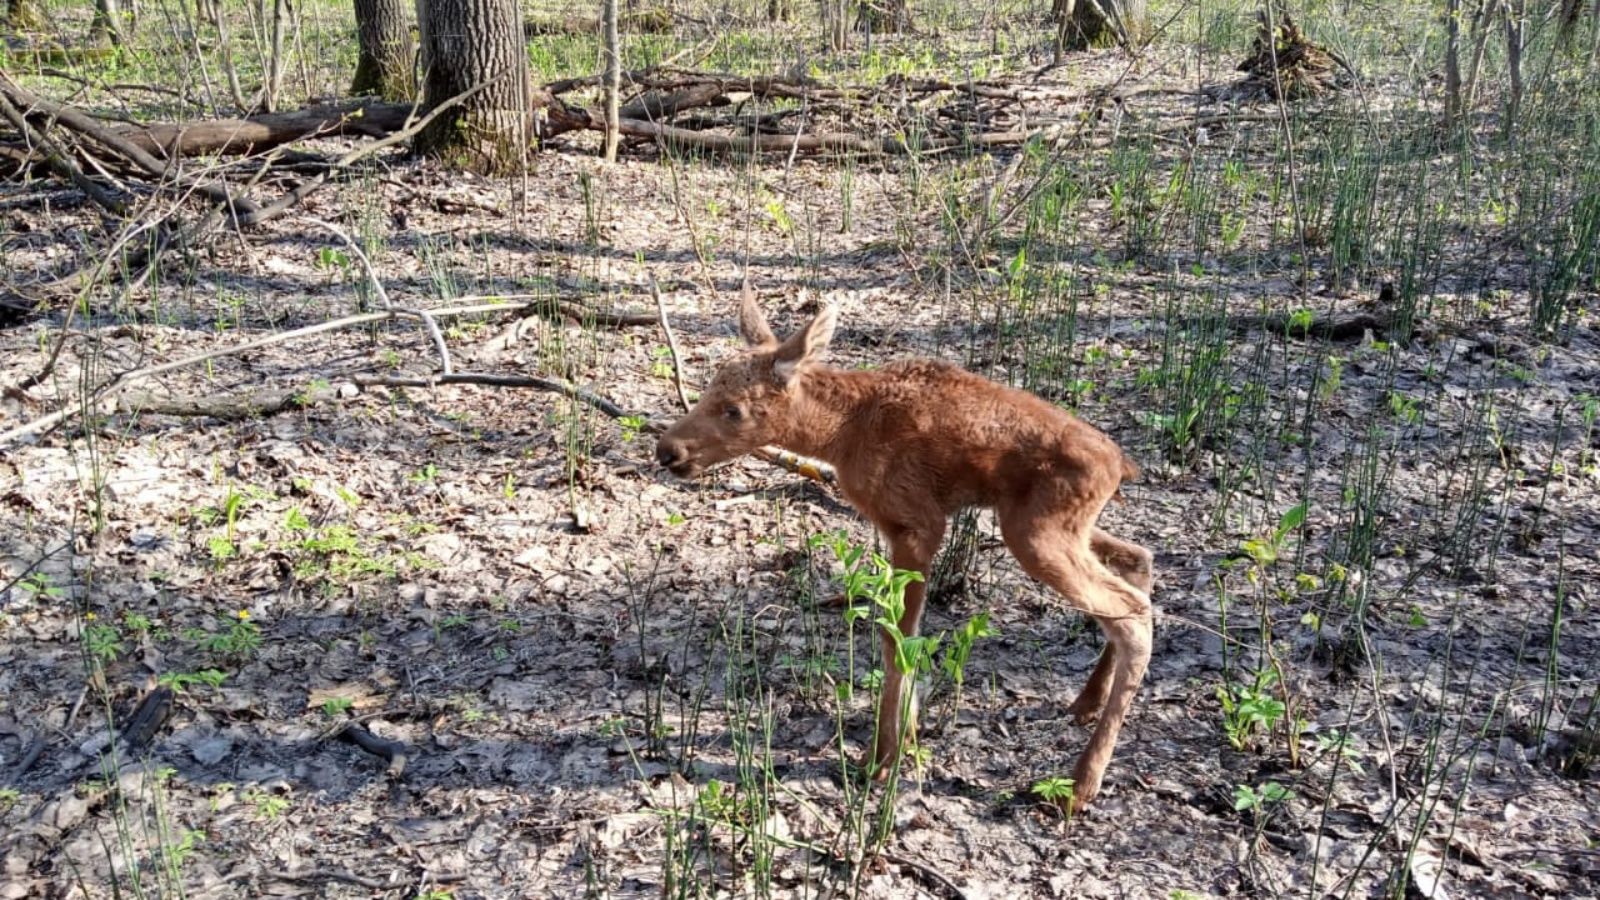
{"x":971,"y":441}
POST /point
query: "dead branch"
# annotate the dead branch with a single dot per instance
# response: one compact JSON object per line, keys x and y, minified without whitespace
{"x":393,"y":752}
{"x":578,"y":118}
{"x":86,"y":125}
{"x":233,"y":407}
{"x":427,"y":320}
{"x":58,"y":159}
{"x":107,"y":390}
{"x":112,"y":387}
{"x":552,"y":385}
{"x":1334,"y":328}
{"x":147,"y":718}
{"x":672,"y":342}
{"x":1284,"y":63}
{"x":552,"y":309}
{"x":655,"y":105}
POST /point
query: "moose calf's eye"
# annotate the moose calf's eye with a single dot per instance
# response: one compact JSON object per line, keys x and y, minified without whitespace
{"x":732,"y":413}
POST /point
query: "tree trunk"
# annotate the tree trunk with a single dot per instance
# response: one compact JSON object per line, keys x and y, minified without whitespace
{"x":1516,"y":19}
{"x":25,"y":15}
{"x":613,"y":54}
{"x":834,"y":27}
{"x":884,"y":16}
{"x":107,"y":21}
{"x":1482,"y":25}
{"x":1452,"y":63}
{"x":1081,"y":24}
{"x":274,"y":85}
{"x":466,"y":44}
{"x":383,"y":29}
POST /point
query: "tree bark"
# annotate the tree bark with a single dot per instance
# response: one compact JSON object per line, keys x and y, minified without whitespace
{"x":476,"y":45}
{"x":1516,"y":20}
{"x":1081,"y":24}
{"x":384,"y":69}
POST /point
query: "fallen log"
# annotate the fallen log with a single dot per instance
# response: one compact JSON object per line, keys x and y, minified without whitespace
{"x":656,"y":105}
{"x":150,"y":147}
{"x":232,"y":137}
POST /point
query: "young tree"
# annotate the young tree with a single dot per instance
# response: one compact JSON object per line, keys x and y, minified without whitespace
{"x":476,"y":46}
{"x":613,"y":76}
{"x":383,"y":29}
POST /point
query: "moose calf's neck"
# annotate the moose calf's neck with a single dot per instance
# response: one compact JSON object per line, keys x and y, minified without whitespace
{"x":825,"y":414}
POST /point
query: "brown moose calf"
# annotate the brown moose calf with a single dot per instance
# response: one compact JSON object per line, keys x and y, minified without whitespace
{"x":912,"y":443}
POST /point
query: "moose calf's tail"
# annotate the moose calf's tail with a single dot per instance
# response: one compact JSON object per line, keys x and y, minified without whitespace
{"x":1130,"y":472}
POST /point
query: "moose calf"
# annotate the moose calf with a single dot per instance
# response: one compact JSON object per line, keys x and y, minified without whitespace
{"x":912,"y":443}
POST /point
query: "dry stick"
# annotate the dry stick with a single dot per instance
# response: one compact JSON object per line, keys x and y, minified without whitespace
{"x":928,"y":872}
{"x":383,"y":295}
{"x":262,"y":214}
{"x":573,"y":118}
{"x":672,"y":344}
{"x":122,"y":380}
{"x":553,"y":385}
{"x":58,"y":159}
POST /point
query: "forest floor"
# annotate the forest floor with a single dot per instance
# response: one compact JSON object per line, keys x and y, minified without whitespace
{"x":612,"y":683}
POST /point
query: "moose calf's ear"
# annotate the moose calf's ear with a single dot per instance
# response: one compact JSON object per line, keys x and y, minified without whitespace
{"x":806,"y":346}
{"x":752,"y":324}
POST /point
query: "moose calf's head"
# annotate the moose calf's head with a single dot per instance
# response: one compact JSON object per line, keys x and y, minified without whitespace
{"x":752,"y":400}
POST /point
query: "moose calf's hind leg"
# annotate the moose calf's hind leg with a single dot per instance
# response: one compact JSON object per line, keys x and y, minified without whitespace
{"x":1092,"y":698}
{"x":1132,"y":639}
{"x":1055,"y":552}
{"x":1134,"y":565}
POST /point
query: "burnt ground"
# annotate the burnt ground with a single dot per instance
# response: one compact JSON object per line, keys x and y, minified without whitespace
{"x":575,"y":648}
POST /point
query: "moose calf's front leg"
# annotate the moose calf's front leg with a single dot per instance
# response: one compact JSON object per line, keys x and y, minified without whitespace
{"x":897,"y":707}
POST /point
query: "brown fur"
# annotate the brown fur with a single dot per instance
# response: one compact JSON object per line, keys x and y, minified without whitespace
{"x":912,"y":443}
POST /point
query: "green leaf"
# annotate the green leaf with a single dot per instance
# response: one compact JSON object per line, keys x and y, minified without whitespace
{"x":1293,"y":518}
{"x":1263,"y":552}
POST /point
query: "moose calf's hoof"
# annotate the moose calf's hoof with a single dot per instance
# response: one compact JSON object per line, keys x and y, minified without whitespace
{"x":1085,"y":713}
